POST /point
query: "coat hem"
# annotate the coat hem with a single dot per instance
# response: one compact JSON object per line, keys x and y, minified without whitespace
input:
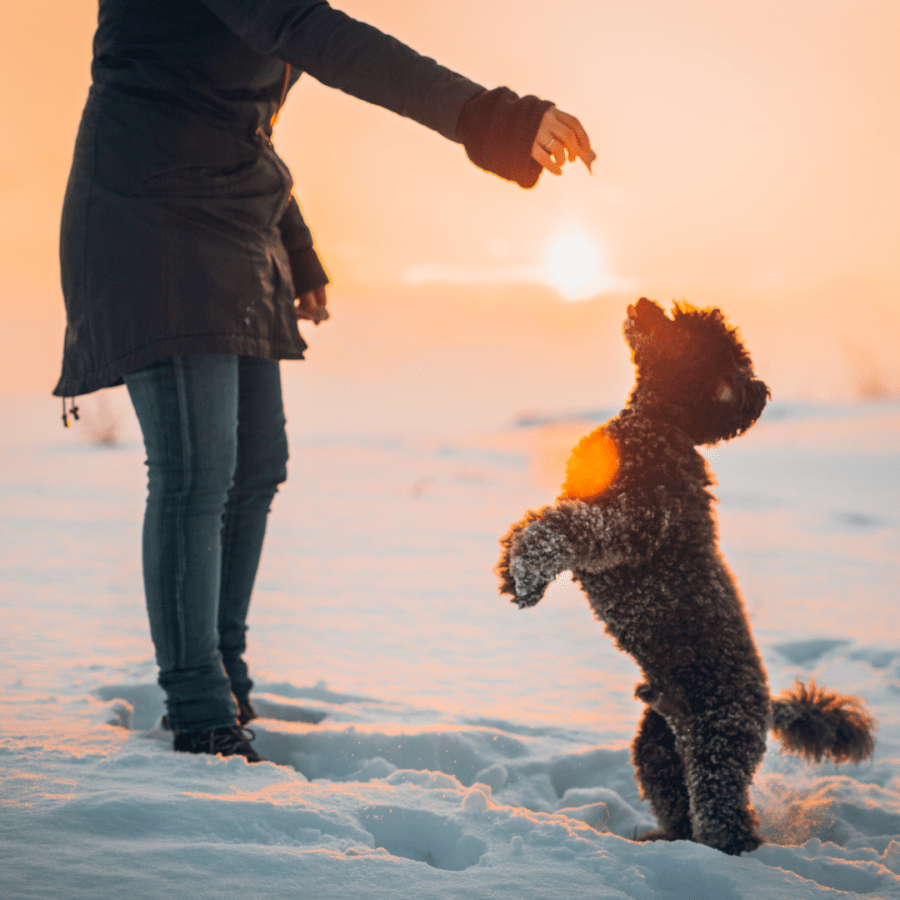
{"x":113,"y":374}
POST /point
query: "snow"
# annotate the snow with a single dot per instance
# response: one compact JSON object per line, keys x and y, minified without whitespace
{"x":468,"y":749}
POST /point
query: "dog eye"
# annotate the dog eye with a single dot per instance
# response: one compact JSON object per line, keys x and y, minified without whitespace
{"x":724,"y":392}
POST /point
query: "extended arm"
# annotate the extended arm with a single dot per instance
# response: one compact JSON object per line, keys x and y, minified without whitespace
{"x":353,"y":57}
{"x":513,"y":137}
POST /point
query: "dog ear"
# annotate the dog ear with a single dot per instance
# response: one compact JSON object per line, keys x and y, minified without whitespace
{"x":645,"y":320}
{"x":647,"y":315}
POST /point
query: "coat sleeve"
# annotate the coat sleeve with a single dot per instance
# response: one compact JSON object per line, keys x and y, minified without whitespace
{"x":306,"y":269}
{"x":351,"y":56}
{"x":498,"y":129}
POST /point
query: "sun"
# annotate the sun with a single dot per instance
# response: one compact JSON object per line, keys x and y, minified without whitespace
{"x":574,"y":267}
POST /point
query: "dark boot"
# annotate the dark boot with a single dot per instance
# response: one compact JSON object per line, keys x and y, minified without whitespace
{"x":229,"y":740}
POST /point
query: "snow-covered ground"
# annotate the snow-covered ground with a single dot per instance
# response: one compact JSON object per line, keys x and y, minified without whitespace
{"x":469,"y":749}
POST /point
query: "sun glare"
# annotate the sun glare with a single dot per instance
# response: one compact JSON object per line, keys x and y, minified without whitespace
{"x":573,"y":268}
{"x":592,"y":466}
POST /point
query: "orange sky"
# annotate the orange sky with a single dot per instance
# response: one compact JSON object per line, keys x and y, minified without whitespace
{"x":739,"y":143}
{"x":746,"y":150}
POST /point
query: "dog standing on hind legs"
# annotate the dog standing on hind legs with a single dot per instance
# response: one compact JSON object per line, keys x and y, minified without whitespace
{"x":635,"y":526}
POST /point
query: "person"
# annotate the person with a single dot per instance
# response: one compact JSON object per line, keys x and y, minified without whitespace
{"x":186,"y":265}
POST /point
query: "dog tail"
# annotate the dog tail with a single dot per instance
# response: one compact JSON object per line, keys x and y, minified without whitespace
{"x":814,"y":722}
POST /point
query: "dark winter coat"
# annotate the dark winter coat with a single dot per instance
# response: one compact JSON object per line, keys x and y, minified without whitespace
{"x":180,"y":234}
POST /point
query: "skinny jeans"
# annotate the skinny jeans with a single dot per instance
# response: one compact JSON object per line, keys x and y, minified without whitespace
{"x":214,"y":434}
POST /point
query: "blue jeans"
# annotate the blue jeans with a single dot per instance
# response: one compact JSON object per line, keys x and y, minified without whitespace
{"x":214,"y":433}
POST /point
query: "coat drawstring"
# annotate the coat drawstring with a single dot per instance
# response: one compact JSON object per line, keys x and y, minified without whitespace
{"x":73,"y":410}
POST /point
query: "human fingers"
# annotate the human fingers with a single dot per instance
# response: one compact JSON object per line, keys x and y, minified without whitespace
{"x":312,"y":305}
{"x":552,"y":140}
{"x":580,"y":145}
{"x":557,"y":150}
{"x":546,"y":145}
{"x":567,"y":130}
{"x":540,"y":155}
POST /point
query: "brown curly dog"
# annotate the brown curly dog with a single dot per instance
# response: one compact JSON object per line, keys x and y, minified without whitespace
{"x":635,"y":526}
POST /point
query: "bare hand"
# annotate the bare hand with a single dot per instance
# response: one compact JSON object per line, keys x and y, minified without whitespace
{"x":311,"y":305}
{"x":558,"y":134}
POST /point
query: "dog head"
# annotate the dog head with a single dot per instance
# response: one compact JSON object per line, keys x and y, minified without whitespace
{"x":693,"y":371}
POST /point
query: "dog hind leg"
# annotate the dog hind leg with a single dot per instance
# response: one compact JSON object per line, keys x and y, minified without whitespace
{"x":659,"y":771}
{"x":720,"y":759}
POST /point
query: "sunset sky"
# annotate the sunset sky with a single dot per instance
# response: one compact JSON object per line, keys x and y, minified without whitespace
{"x":746,"y":150}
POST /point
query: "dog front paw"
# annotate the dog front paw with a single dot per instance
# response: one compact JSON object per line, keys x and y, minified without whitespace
{"x":523,"y":601}
{"x":530,"y":585}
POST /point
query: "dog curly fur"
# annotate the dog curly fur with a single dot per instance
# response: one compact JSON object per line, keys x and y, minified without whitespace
{"x":635,"y":526}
